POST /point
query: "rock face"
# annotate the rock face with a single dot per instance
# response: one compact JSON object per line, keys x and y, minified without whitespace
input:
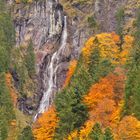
{"x":105,"y":11}
{"x":39,"y":21}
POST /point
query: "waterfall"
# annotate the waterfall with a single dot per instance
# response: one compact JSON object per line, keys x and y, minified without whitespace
{"x":51,"y":70}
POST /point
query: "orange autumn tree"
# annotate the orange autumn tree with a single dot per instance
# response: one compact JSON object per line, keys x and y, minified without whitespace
{"x":104,"y":99}
{"x":104,"y":102}
{"x":13,"y":94}
{"x":45,"y":126}
{"x":70,"y":72}
{"x":129,"y":129}
{"x":11,"y":88}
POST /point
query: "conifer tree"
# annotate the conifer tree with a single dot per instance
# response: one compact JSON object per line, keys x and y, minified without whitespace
{"x":132,"y":94}
{"x":108,"y":134}
{"x":96,"y":133}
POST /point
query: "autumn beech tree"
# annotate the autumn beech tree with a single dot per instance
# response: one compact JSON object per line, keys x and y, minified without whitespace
{"x":103,"y":103}
{"x":45,"y":126}
{"x":72,"y":67}
{"x":129,"y":129}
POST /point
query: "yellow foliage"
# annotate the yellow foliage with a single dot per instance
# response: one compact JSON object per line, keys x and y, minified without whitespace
{"x":129,"y":129}
{"x":70,"y":72}
{"x":127,"y":46}
{"x":13,"y":123}
{"x":84,"y":132}
{"x":30,"y":1}
{"x":87,"y":49}
{"x":45,"y":126}
{"x":109,"y":47}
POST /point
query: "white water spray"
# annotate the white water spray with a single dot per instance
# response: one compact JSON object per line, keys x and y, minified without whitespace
{"x":52,"y":69}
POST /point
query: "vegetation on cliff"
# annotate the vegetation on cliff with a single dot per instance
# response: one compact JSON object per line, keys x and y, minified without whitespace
{"x":10,"y":117}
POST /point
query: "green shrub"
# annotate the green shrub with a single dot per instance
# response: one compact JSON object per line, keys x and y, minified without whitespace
{"x":91,"y":21}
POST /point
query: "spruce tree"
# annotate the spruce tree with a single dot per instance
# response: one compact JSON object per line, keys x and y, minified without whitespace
{"x":96,"y":133}
{"x":132,"y":91}
{"x":108,"y":134}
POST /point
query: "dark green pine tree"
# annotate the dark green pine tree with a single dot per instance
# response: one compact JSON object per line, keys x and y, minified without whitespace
{"x":132,"y":92}
{"x":94,"y":63}
{"x":79,"y":109}
{"x":71,"y":111}
{"x":98,"y":67}
{"x":108,"y":134}
{"x":120,"y":15}
{"x":96,"y":133}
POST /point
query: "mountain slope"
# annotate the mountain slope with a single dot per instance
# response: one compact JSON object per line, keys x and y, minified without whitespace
{"x":69,"y":69}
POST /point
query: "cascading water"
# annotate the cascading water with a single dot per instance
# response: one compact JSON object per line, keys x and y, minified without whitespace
{"x":51,"y":70}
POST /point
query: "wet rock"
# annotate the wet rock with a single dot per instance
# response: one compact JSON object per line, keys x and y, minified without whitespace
{"x":38,"y":22}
